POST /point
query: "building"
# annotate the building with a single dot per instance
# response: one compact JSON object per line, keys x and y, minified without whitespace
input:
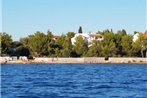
{"x":55,"y":37}
{"x":136,"y":36}
{"x":89,"y":38}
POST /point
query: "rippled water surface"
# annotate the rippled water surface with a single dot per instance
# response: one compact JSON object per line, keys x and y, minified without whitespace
{"x":74,"y":81}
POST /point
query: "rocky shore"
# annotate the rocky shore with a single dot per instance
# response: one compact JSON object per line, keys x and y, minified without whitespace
{"x":86,"y":60}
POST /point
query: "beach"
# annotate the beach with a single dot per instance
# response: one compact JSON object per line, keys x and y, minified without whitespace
{"x":85,"y":60}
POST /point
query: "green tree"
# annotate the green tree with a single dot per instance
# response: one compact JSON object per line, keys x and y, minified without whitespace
{"x":70,"y":34}
{"x":38,"y":43}
{"x":140,"y":45}
{"x":57,"y":52}
{"x":6,"y":41}
{"x":24,"y":41}
{"x":49,"y":36}
{"x":65,"y":52}
{"x":109,"y":50}
{"x":94,"y":50}
{"x":124,"y":32}
{"x":80,"y":30}
{"x":67,"y":47}
{"x":108,"y":45}
{"x":18,"y":49}
{"x":126,"y":44}
{"x":50,"y":44}
{"x":60,"y":41}
{"x":12,"y":49}
{"x":80,"y":46}
{"x":118,"y":42}
{"x":22,"y":51}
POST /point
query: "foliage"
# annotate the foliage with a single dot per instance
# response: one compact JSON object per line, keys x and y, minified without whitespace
{"x":80,"y":30}
{"x":140,"y":45}
{"x":6,"y":40}
{"x":126,"y":45}
{"x":40,"y":44}
{"x":108,"y":44}
{"x":37,"y":43}
{"x":94,"y":50}
{"x":80,"y":46}
{"x":70,"y":34}
{"x":67,"y":47}
{"x":18,"y":49}
{"x":118,"y":42}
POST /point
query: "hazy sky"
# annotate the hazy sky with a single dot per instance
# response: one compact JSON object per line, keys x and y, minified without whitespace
{"x":24,"y":17}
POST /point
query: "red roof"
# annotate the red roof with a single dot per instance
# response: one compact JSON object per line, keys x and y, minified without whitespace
{"x":56,"y":36}
{"x":145,"y":35}
{"x":97,"y":35}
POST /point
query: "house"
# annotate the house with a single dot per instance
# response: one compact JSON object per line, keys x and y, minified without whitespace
{"x":135,"y":37}
{"x":55,"y":37}
{"x":145,"y":35}
{"x":89,"y":38}
{"x":98,"y":37}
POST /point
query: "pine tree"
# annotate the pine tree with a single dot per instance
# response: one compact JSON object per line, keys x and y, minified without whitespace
{"x":80,"y":30}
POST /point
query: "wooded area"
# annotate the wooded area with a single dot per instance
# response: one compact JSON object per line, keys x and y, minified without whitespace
{"x":118,"y":44}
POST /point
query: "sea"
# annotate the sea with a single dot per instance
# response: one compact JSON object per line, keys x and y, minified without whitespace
{"x":74,"y":81}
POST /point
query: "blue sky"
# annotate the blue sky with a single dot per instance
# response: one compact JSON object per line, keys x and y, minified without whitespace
{"x":21,"y":18}
{"x":0,"y":15}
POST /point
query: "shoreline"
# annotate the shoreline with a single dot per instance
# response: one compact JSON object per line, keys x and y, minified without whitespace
{"x":86,"y":60}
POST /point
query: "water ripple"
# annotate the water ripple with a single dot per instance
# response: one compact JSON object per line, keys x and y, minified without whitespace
{"x":74,"y":81}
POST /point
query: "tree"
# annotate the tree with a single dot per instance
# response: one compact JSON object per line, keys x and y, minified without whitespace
{"x":22,"y":51}
{"x":140,"y":45}
{"x":67,"y":47}
{"x":80,"y":30}
{"x":124,"y":32}
{"x":12,"y":48}
{"x":80,"y":46}
{"x":38,"y":43}
{"x":57,"y":52}
{"x":118,"y":41}
{"x":51,"y":48}
{"x":126,"y":44}
{"x":60,"y":41}
{"x":6,"y":41}
{"x":94,"y":50}
{"x":24,"y":41}
{"x":49,"y":35}
{"x":70,"y":34}
{"x":108,"y":45}
{"x":50,"y":44}
{"x":109,"y":50}
{"x":65,"y":52}
{"x":18,"y":49}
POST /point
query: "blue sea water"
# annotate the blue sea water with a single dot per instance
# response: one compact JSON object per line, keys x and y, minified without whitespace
{"x":74,"y":81}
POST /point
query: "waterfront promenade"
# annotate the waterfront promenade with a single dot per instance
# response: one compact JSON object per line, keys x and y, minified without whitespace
{"x":86,"y":60}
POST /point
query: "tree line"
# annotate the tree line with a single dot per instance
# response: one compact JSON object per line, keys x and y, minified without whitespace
{"x":39,"y":44}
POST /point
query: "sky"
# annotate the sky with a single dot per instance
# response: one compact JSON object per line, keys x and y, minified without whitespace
{"x":21,"y":18}
{"x":0,"y":15}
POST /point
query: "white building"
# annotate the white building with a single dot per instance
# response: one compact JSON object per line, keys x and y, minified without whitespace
{"x":135,"y":37}
{"x":87,"y":37}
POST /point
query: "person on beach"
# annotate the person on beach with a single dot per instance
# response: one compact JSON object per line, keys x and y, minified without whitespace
{"x":52,"y":59}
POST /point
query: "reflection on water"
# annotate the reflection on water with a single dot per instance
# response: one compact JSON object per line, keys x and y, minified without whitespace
{"x":70,"y":81}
